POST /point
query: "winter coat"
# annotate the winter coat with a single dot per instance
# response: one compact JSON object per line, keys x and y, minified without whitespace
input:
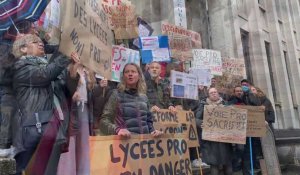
{"x":247,"y":99}
{"x":126,"y":110}
{"x":213,"y":153}
{"x":100,"y":97}
{"x":34,"y":85}
{"x":159,"y":93}
{"x":269,"y":110}
{"x":7,"y":100}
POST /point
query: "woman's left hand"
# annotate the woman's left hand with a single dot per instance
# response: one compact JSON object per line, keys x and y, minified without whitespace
{"x":156,"y":133}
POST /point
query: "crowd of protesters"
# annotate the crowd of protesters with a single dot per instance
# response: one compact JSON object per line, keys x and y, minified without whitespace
{"x":49,"y":108}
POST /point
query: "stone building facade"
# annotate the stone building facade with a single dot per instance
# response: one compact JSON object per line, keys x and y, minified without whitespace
{"x":264,"y":33}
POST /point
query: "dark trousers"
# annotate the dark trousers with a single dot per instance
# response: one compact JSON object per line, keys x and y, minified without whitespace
{"x":256,"y":155}
{"x":22,"y":159}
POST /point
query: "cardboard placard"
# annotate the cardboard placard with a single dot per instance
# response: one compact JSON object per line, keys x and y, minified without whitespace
{"x":181,"y":41}
{"x":182,"y":122}
{"x":124,"y":21}
{"x":256,"y":126}
{"x":184,"y":85}
{"x":170,"y":29}
{"x":122,"y":56}
{"x":234,"y":66}
{"x":141,"y":154}
{"x":224,"y":124}
{"x":85,"y":31}
{"x":204,"y":58}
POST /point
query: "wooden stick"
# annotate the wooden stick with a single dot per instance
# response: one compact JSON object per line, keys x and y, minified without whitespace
{"x":198,"y":155}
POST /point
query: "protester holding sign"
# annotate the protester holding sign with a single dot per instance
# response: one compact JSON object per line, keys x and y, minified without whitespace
{"x":265,"y":101}
{"x":215,"y":154}
{"x":243,"y":96}
{"x":158,"y":90}
{"x":127,"y":111}
{"x":41,"y":93}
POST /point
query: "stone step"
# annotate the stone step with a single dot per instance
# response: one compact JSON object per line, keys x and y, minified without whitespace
{"x":7,"y":166}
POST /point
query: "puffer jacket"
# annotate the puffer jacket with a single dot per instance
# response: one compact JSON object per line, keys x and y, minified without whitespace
{"x":126,"y":110}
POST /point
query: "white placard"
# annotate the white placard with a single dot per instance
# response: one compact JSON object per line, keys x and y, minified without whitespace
{"x":150,"y":43}
{"x":184,"y":85}
{"x":122,"y":56}
{"x":211,"y":59}
{"x":180,"y":13}
{"x":203,"y":76}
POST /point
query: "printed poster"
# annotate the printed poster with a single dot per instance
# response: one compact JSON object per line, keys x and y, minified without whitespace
{"x":184,"y":85}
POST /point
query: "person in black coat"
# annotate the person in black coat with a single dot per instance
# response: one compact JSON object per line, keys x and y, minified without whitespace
{"x":39,"y":86}
{"x":215,"y":154}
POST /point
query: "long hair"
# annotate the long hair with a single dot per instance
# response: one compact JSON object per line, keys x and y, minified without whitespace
{"x":141,"y":84}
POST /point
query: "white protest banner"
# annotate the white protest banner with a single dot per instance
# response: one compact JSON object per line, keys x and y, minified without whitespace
{"x":204,"y":58}
{"x":224,"y":124}
{"x":182,"y":122}
{"x":180,"y":13}
{"x":234,"y":66}
{"x":122,"y":56}
{"x":184,"y":85}
{"x":203,"y":76}
{"x":141,"y":154}
{"x":85,"y":31}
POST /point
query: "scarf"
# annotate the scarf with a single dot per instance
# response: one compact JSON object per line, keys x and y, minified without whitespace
{"x":42,"y":61}
{"x":217,"y":103}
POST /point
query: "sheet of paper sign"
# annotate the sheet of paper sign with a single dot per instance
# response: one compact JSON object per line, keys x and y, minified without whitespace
{"x":203,"y":76}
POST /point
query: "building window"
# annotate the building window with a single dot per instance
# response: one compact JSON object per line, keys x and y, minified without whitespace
{"x":278,"y":9}
{"x":281,"y":30}
{"x":296,"y":38}
{"x":292,"y":14}
{"x":270,"y":63}
{"x":263,"y":18}
{"x":242,"y":8}
{"x":261,"y":2}
{"x":246,"y":53}
{"x":289,"y":74}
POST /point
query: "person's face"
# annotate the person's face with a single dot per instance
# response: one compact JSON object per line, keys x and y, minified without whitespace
{"x":155,"y":70}
{"x":245,"y":84}
{"x":213,"y":94}
{"x":131,"y":76}
{"x":253,"y":90}
{"x":213,"y":81}
{"x":35,"y":47}
{"x":238,"y":92}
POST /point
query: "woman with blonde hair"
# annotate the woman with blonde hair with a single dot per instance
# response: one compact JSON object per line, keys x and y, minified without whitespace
{"x":127,"y":111}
